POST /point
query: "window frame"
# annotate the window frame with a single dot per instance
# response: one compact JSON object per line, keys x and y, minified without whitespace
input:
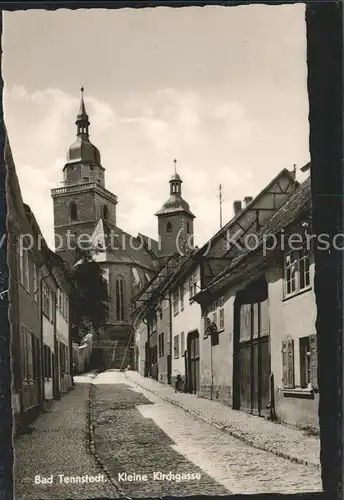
{"x":175,"y":301}
{"x":182,"y":344}
{"x":176,"y":354}
{"x":161,"y":342}
{"x":73,"y":211}
{"x":119,"y":287}
{"x":181,"y":296}
{"x":302,"y":260}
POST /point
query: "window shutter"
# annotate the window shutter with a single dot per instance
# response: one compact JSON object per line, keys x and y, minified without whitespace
{"x":314,"y":360}
{"x":285,"y":363}
{"x":291,"y":382}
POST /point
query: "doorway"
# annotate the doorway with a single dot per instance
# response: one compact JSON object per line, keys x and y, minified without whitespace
{"x":193,"y":362}
{"x":252,"y":366}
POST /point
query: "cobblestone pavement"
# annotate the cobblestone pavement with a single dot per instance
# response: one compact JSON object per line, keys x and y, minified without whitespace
{"x":279,"y":439}
{"x":139,"y":433}
{"x":58,"y":445}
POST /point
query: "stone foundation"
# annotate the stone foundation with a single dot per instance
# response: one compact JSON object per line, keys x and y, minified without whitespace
{"x":220,"y":393}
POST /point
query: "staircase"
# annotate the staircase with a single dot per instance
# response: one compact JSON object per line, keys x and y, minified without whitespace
{"x":114,"y":357}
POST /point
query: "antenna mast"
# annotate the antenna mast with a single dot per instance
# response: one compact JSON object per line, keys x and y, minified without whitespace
{"x":220,"y":198}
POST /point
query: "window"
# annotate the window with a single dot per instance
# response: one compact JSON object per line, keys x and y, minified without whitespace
{"x":105,"y":212}
{"x":176,"y":346}
{"x":308,"y":362}
{"x":288,"y":363}
{"x":168,"y":227}
{"x":73,"y":211}
{"x":192,"y":286}
{"x":154,"y":355}
{"x":63,"y":355}
{"x":47,"y":364}
{"x":181,"y":296}
{"x":161,"y":344}
{"x":47,"y":306}
{"x":182,"y":344}
{"x":27,"y":338}
{"x":188,"y":227}
{"x":24,"y":272}
{"x":296,"y":271}
{"x":106,"y":276}
{"x":305,"y":362}
{"x":175,"y":301}
{"x":119,"y":299}
{"x":86,"y":179}
{"x":35,"y":282}
{"x":91,"y":167}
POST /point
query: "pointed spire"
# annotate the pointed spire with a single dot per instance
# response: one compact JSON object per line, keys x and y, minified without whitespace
{"x":82,"y":120}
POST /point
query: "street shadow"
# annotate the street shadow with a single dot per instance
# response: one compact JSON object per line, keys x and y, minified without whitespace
{"x":127,"y":442}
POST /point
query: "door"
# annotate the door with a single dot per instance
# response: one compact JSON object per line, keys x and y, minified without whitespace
{"x":169,"y":368}
{"x":253,"y":369}
{"x":30,"y":386}
{"x":193,"y":355}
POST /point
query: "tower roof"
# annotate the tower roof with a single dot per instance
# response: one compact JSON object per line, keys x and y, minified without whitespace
{"x":82,"y":150}
{"x":173,"y":205}
{"x":176,"y":202}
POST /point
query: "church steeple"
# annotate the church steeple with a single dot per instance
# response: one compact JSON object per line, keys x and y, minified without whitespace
{"x":82,"y":121}
{"x":175,"y":219}
{"x":83,"y":151}
{"x":175,"y":182}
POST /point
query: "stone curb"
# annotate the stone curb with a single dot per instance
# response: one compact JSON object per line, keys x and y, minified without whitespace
{"x":91,"y":444}
{"x":226,"y":428}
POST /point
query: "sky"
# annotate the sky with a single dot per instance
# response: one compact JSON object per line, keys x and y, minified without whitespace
{"x":221,"y":89}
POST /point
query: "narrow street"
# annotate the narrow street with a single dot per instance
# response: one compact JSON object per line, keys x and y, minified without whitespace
{"x":110,"y":428}
{"x":137,"y":432}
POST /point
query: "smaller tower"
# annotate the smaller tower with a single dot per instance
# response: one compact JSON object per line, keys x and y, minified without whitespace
{"x":175,"y":220}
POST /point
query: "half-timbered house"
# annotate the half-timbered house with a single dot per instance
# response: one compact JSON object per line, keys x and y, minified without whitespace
{"x":266,"y":364}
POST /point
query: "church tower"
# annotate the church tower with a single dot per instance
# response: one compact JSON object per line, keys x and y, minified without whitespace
{"x":83,"y":198}
{"x":175,"y":221}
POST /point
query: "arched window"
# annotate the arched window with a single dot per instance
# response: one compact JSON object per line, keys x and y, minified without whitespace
{"x":188,"y":227}
{"x":105,"y":212}
{"x":73,"y":211}
{"x":119,"y":299}
{"x":169,"y":227}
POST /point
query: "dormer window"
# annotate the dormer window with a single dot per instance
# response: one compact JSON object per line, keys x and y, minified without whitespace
{"x":169,"y":227}
{"x":73,"y":211}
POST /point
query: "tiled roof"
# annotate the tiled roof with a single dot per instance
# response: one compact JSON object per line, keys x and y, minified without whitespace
{"x":128,"y":248}
{"x":298,"y":204}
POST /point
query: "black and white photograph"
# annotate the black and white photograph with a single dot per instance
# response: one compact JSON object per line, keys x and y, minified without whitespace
{"x":161,"y":252}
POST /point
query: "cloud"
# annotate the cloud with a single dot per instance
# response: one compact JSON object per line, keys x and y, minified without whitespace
{"x":215,"y":141}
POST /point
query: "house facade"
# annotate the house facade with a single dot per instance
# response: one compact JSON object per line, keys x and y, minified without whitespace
{"x":243,"y":315}
{"x":266,"y":363}
{"x":32,"y":308}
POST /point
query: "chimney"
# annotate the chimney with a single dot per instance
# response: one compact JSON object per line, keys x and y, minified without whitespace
{"x":247,"y":200}
{"x":237,"y":207}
